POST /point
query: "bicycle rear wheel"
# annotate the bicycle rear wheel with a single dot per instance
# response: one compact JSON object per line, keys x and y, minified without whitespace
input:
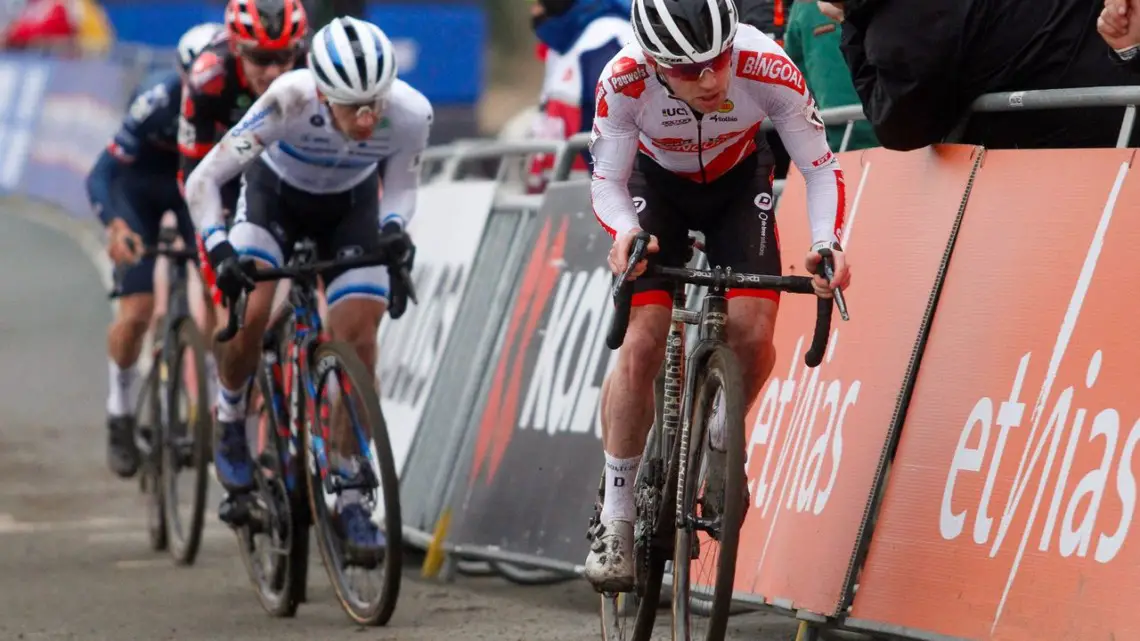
{"x":186,"y":440}
{"x":344,"y":384}
{"x":711,"y":491}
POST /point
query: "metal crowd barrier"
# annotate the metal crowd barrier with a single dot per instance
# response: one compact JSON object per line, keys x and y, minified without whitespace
{"x":440,"y":465}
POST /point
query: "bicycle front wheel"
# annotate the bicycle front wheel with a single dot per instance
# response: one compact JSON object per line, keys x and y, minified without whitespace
{"x":187,"y":440}
{"x":148,"y":413}
{"x":367,"y":590}
{"x":712,"y":492}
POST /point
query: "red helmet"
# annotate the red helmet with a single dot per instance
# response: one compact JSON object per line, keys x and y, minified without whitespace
{"x":266,"y":24}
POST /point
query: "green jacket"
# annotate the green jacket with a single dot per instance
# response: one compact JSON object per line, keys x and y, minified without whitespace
{"x":812,"y":42}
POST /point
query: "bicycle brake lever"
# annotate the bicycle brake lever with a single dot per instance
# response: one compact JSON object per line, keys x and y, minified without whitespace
{"x":829,"y":274}
{"x":407,"y":278}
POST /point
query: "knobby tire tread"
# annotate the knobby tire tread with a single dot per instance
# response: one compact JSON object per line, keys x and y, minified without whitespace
{"x":187,"y":335}
{"x":718,"y":369}
{"x":352,"y":367}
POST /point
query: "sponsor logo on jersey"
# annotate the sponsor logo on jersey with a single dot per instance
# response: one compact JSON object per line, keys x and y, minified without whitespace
{"x":771,"y":68}
{"x":822,"y":160}
{"x":669,"y":112}
{"x":628,"y":77}
{"x":726,"y":107}
{"x":602,"y":109}
{"x":674,"y":123}
{"x":688,"y":145}
{"x":723,"y":118}
{"x":317,"y":120}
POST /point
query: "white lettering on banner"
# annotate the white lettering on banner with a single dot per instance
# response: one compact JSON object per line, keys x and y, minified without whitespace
{"x":418,"y":343}
{"x":447,"y":230}
{"x":1076,"y":533}
{"x":802,"y":480}
{"x":805,"y":493}
{"x":565,"y":385}
{"x":21,"y":91}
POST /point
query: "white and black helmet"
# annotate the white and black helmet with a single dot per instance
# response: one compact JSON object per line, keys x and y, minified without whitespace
{"x":195,"y":40}
{"x":352,"y":61}
{"x":677,"y":32}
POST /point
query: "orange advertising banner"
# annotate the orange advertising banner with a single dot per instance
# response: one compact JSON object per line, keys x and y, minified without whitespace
{"x":1013,"y":491}
{"x":815,"y":436}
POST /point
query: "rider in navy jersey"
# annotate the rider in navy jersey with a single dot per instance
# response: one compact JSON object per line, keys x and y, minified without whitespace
{"x":131,"y":187}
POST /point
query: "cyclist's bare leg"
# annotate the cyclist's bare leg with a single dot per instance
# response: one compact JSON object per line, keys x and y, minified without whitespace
{"x":124,"y":344}
{"x":627,"y":416}
{"x":354,"y":321}
{"x":751,"y":325}
{"x":237,"y":359}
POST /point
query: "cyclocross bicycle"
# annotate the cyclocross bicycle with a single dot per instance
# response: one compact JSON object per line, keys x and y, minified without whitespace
{"x":690,"y":498}
{"x":304,"y":382}
{"x":173,"y":417}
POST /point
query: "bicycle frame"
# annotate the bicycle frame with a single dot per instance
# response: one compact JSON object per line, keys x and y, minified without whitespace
{"x":296,"y":379}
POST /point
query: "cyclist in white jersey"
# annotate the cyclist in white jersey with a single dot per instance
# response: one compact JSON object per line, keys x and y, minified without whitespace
{"x":316,"y":148}
{"x":674,"y":147}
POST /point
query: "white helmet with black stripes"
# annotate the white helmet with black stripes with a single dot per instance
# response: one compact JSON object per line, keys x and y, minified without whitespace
{"x":195,"y":40}
{"x":353,"y":61}
{"x":676,"y":32}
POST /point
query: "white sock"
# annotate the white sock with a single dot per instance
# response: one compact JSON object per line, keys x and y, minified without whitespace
{"x":620,"y":475}
{"x":123,"y":387}
{"x":716,"y":423}
{"x":231,"y":403}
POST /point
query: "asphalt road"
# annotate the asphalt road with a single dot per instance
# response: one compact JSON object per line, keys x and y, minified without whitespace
{"x":74,"y":562}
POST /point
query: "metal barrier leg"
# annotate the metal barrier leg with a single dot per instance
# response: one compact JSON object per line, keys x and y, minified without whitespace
{"x":434,"y":559}
{"x":807,"y":632}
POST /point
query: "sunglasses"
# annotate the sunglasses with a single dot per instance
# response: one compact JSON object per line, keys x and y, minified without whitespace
{"x":377,"y":106}
{"x":693,"y":70}
{"x":266,"y":58}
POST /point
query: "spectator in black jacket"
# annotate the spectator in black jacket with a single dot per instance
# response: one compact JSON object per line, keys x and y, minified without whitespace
{"x":1119,"y":24}
{"x":917,"y":66}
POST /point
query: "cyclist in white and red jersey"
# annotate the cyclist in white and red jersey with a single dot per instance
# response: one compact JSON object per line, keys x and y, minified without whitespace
{"x":674,"y":144}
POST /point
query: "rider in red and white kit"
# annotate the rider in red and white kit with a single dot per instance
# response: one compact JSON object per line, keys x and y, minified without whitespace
{"x":674,"y":149}
{"x":580,"y":37}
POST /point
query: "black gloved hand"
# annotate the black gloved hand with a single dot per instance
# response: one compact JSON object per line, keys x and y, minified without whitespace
{"x":232,"y":274}
{"x":400,"y":244}
{"x":404,"y":257}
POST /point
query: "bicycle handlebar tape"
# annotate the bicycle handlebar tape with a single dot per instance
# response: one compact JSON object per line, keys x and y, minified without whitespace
{"x":819,"y":339}
{"x":622,"y":304}
{"x":824,"y":306}
{"x":237,"y":315}
{"x":623,"y":292}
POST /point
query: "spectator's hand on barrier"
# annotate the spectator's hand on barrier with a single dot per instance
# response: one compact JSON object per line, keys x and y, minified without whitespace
{"x":1119,"y":23}
{"x":841,"y":280}
{"x":619,"y":253}
{"x":124,"y":246}
{"x":833,"y":10}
